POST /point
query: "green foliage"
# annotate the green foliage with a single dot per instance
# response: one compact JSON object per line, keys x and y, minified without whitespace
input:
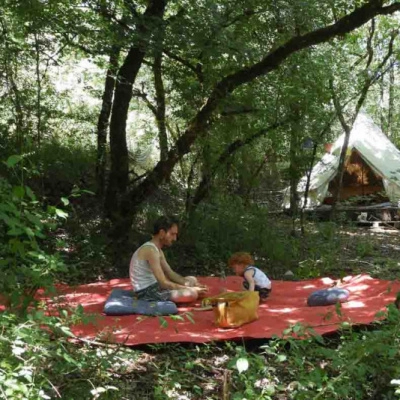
{"x":174,"y":375}
{"x":39,"y":360}
{"x":25,"y":265}
{"x":62,"y":165}
{"x":362,"y":365}
{"x":365,"y":248}
{"x":357,"y":364}
{"x":252,"y":377}
{"x":228,"y":225}
{"x":309,"y":268}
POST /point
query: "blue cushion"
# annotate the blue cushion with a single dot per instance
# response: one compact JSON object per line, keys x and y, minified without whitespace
{"x":122,"y":302}
{"x":326,"y":297}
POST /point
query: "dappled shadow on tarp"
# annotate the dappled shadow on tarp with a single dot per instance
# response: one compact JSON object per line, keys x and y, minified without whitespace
{"x":286,"y":306}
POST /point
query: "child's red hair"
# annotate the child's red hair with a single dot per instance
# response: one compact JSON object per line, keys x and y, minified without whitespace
{"x":240,"y":258}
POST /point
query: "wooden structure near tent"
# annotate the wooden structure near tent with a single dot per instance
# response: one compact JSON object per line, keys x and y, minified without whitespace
{"x":358,"y":180}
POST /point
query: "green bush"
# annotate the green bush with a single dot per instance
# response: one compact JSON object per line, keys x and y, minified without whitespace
{"x":38,"y":359}
{"x":360,"y":364}
{"x":219,"y":229}
{"x":24,"y":225}
{"x":63,"y":165}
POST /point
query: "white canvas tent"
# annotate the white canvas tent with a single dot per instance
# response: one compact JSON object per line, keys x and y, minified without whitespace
{"x":378,"y":152}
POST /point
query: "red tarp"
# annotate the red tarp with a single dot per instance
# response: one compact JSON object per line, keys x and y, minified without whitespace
{"x":286,"y":306}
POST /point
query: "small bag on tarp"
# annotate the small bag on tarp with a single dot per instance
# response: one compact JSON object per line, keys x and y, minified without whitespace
{"x":233,"y":309}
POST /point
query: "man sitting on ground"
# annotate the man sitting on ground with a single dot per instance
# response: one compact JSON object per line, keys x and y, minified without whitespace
{"x":151,"y":276}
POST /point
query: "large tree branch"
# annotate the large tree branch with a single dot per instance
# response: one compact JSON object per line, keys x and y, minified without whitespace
{"x":370,"y":49}
{"x":269,"y":63}
{"x":228,"y":112}
{"x":206,"y":180}
{"x":111,"y":17}
{"x":196,"y":69}
{"x":246,"y":14}
{"x":228,"y":84}
{"x":389,"y":9}
{"x":368,"y":83}
{"x":143,"y":95}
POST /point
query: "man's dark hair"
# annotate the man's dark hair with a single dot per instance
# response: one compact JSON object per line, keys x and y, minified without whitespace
{"x":164,"y":222}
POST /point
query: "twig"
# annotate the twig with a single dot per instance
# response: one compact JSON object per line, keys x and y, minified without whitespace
{"x":331,"y":324}
{"x":206,"y":308}
{"x":225,"y":387}
{"x":334,"y":380}
{"x":95,"y":342}
{"x":54,"y":388}
{"x":197,"y":376}
{"x":360,"y":261}
{"x":2,"y":391}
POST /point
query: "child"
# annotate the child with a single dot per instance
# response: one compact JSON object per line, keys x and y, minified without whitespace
{"x":254,"y":279}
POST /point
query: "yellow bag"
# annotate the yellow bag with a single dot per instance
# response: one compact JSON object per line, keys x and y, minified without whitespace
{"x":233,"y":309}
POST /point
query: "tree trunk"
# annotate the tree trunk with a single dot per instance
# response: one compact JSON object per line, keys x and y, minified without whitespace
{"x":340,"y":173}
{"x":253,"y":178}
{"x":381,"y":111}
{"x":38,"y":92}
{"x":117,"y":203}
{"x":309,"y":172}
{"x":343,"y":152}
{"x":307,"y":190}
{"x":118,"y":180}
{"x":103,"y":121}
{"x":17,"y":100}
{"x":160,"y":107}
{"x":294,"y":171}
{"x":390,"y":132}
{"x":19,"y":113}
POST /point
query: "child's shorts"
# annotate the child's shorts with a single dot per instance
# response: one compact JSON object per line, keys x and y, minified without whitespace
{"x":263,"y":292}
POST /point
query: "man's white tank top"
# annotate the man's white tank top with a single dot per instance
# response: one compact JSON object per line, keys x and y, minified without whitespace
{"x":139,"y":270}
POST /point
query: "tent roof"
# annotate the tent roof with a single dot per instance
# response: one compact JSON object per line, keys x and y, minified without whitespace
{"x":373,"y":145}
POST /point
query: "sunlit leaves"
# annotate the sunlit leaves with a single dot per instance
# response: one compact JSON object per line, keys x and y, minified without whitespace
{"x":13,"y":160}
{"x":242,"y":364}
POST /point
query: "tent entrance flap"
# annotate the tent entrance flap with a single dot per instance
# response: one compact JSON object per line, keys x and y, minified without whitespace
{"x":359,"y":179}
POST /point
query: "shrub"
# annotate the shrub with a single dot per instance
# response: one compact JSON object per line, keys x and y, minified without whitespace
{"x":38,"y":360}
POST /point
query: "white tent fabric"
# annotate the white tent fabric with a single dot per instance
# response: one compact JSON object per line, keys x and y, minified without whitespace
{"x":374,"y":147}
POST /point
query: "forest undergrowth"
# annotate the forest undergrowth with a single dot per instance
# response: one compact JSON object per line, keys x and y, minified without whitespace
{"x":354,"y":363}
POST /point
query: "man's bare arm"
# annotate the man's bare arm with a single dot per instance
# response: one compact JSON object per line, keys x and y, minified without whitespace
{"x":172,"y":275}
{"x":180,"y":280}
{"x":164,"y":281}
